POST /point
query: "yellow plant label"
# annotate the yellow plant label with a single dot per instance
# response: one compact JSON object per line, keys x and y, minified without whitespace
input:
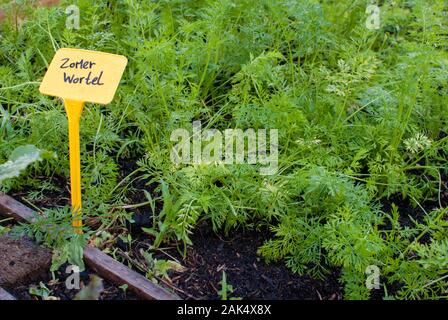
{"x":82,"y":75}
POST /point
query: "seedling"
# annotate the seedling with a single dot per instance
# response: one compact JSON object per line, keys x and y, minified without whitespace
{"x":79,"y":76}
{"x":124,"y":288}
{"x":226,"y":289}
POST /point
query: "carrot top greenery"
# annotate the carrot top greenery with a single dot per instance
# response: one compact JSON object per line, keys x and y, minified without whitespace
{"x":361,"y":115}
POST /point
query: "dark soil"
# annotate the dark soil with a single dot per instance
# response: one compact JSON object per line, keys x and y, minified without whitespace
{"x":59,"y":197}
{"x":140,"y":215}
{"x":248,"y":273}
{"x":410,"y":212}
{"x":250,"y":276}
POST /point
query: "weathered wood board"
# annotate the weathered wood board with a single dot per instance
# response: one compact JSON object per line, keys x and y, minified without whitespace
{"x":5,"y":295}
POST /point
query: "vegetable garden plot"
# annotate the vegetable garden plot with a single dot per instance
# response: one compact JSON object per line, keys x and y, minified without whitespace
{"x":316,"y":130}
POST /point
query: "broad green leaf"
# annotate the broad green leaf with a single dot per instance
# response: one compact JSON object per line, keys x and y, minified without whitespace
{"x":20,"y":159}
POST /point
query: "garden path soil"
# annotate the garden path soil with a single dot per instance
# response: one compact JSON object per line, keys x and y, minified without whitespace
{"x":21,"y":261}
{"x":250,"y":276}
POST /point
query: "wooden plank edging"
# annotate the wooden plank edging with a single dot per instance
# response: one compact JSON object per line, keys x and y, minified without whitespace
{"x":117,"y":272}
{"x":5,"y":295}
{"x":14,"y":209}
{"x":100,"y":262}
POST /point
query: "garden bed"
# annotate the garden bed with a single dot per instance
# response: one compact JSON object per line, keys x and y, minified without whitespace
{"x":250,"y":276}
{"x":351,"y":97}
{"x":212,"y":254}
{"x":235,"y":254}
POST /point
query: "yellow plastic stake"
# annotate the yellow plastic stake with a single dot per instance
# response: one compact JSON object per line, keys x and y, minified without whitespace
{"x":80,"y":76}
{"x":74,"y":110}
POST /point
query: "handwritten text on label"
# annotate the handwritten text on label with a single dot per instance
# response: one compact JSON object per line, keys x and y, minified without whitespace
{"x":81,"y":64}
{"x":83,"y":75}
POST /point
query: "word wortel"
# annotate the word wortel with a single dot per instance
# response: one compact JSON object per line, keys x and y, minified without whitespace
{"x":235,"y":141}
